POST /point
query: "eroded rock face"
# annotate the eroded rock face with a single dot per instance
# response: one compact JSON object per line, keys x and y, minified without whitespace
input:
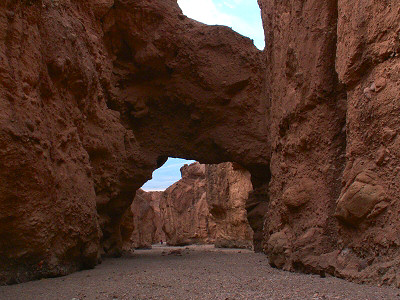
{"x":307,"y":128}
{"x":361,"y":199}
{"x":208,"y":206}
{"x":85,"y":88}
{"x":94,"y":95}
{"x":64,"y":155}
{"x":333,"y":192}
{"x":227,"y":190}
{"x":184,"y":210}
{"x":141,"y":225}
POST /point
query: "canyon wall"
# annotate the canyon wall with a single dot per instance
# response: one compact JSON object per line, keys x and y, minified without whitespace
{"x":184,"y":210}
{"x":332,"y":85}
{"x":95,"y":95}
{"x":141,"y":225}
{"x":207,"y":206}
{"x":227,"y":190}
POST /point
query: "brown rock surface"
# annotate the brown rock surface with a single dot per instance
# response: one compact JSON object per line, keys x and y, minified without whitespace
{"x":331,"y":79}
{"x":141,"y":226}
{"x":360,"y":199}
{"x":367,"y":63}
{"x":63,"y":152}
{"x":208,"y":206}
{"x":227,"y":190}
{"x":307,"y":121}
{"x":94,"y":95}
{"x":184,"y":210}
{"x":85,"y":88}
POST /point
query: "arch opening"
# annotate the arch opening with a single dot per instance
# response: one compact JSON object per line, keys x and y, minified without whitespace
{"x":166,"y":175}
{"x":188,"y":203}
{"x":243,"y":16}
{"x":197,"y":94}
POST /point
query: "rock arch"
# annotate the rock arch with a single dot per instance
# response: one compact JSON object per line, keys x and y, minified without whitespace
{"x":94,"y":95}
{"x":186,"y":89}
{"x":115,"y":88}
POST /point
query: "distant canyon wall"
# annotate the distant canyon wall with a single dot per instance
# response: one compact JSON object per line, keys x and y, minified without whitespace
{"x":207,"y":206}
{"x":228,"y":186}
{"x":141,"y":225}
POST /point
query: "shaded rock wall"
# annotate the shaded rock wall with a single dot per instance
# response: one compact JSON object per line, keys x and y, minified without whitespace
{"x":332,"y":87}
{"x":307,"y":128}
{"x":207,"y":206}
{"x":141,"y":225}
{"x":64,"y":154}
{"x":85,"y":88}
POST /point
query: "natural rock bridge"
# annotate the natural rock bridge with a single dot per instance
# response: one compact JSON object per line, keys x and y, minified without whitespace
{"x":95,"y":95}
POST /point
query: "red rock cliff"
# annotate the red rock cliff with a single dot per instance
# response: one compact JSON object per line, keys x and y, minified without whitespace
{"x":208,"y":206}
{"x":333,"y":191}
{"x":94,"y":95}
{"x":85,"y":88}
{"x":141,"y":225}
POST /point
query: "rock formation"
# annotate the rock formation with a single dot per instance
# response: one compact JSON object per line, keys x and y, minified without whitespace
{"x":333,"y":191}
{"x":208,"y":206}
{"x":95,"y":95}
{"x":227,"y":190}
{"x":141,"y":225}
{"x":85,"y":88}
{"x":184,"y":209}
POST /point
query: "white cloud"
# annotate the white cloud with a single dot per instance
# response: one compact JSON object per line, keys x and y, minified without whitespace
{"x":230,"y":5}
{"x":207,"y":12}
{"x":204,"y":11}
{"x":167,"y":175}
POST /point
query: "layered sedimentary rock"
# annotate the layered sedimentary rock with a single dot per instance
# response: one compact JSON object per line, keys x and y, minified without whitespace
{"x":141,"y":225}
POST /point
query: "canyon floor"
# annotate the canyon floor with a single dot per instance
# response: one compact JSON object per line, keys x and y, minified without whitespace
{"x":194,"y":272}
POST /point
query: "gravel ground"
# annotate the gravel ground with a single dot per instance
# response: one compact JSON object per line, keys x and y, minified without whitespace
{"x":195,"y":272}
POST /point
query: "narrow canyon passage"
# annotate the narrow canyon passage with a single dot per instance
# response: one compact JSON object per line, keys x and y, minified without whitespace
{"x":95,"y":95}
{"x":207,"y":205}
{"x":195,"y":272}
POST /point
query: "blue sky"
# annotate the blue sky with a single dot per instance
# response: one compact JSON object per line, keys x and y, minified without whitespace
{"x":167,"y":175}
{"x":242,"y":16}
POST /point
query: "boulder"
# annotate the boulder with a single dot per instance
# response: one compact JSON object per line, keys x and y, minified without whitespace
{"x":360,"y":198}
